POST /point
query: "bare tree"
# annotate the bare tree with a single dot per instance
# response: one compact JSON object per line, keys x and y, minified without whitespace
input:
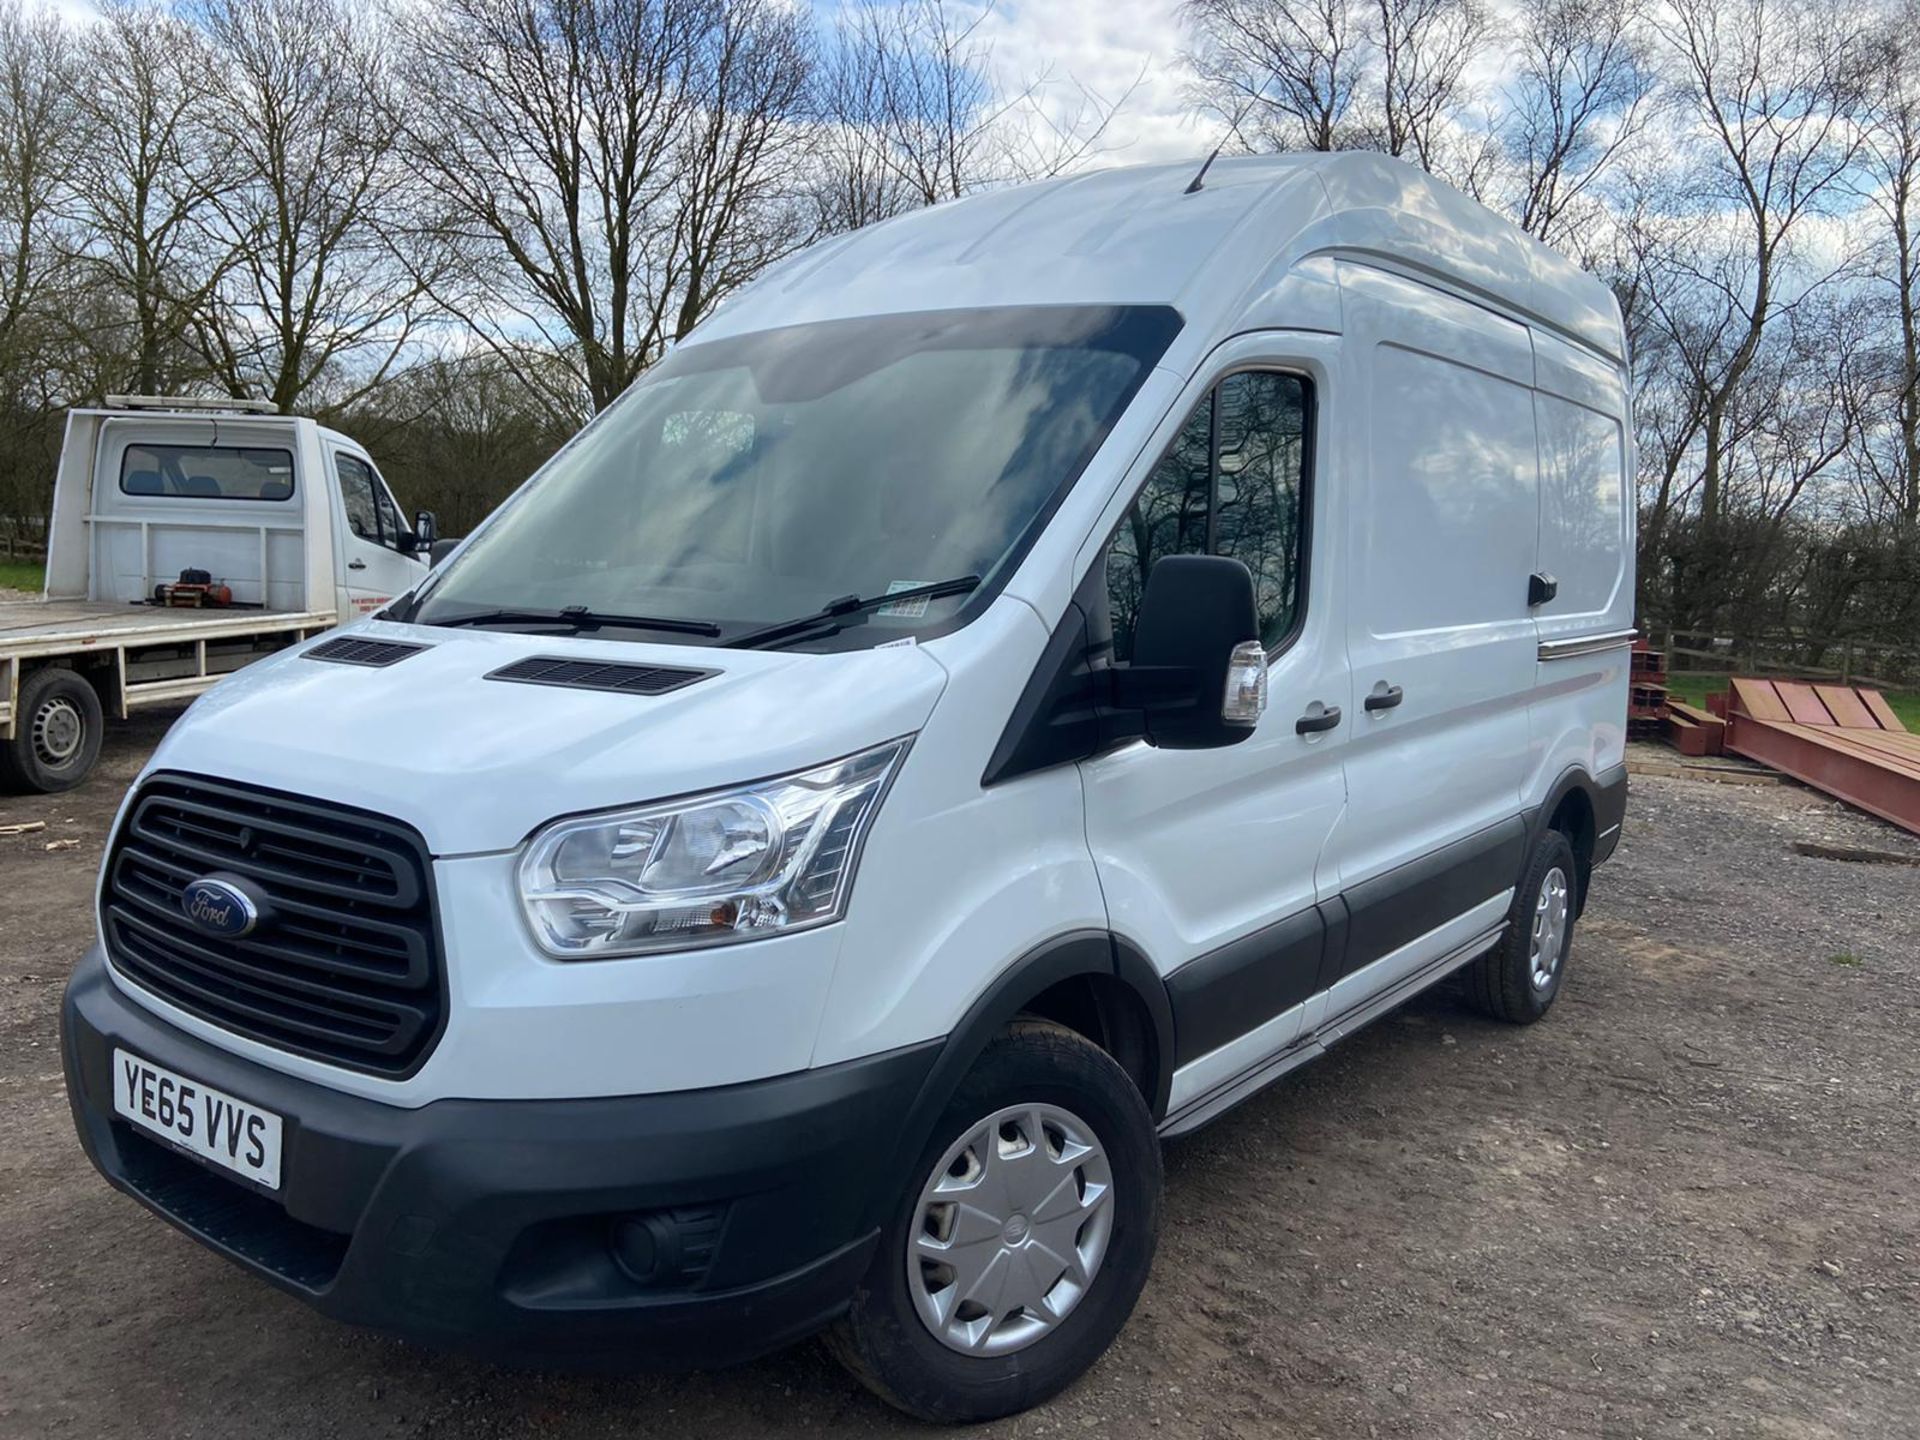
{"x":1424,"y":48}
{"x":1337,"y":74}
{"x":146,"y":188}
{"x":1773,"y":85}
{"x":605,"y":170}
{"x":1287,"y":73}
{"x":461,"y":430}
{"x":1891,"y":188}
{"x":912,"y":115}
{"x":316,"y":310}
{"x":1580,"y":94}
{"x":733,"y":201}
{"x":40,"y":135}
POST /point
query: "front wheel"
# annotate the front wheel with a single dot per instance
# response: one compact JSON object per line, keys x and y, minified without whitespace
{"x":1024,"y":1241}
{"x":56,"y":733}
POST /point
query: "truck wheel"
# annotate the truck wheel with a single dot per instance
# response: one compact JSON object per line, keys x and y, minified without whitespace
{"x":56,"y":733}
{"x":1023,"y":1242}
{"x":1517,"y":980}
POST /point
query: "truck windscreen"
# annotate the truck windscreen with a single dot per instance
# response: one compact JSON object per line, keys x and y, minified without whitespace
{"x":747,"y":480}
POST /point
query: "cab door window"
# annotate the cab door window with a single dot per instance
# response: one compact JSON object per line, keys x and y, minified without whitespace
{"x":1234,"y":482}
{"x":371,"y":513}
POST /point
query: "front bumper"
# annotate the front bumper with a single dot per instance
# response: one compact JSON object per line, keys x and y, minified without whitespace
{"x":485,"y":1225}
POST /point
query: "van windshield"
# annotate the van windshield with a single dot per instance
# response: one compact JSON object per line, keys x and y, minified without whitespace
{"x":746,"y":481}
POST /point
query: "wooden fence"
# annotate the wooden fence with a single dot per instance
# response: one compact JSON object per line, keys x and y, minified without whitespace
{"x":1784,"y":653}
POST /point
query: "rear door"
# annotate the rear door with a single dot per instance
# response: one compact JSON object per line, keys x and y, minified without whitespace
{"x":1441,"y":541}
{"x":1208,"y":858}
{"x":373,"y":566}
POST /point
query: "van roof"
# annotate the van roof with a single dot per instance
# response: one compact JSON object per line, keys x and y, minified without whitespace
{"x":1252,"y":248}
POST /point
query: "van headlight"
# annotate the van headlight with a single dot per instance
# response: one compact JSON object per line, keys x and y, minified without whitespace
{"x":729,"y":865}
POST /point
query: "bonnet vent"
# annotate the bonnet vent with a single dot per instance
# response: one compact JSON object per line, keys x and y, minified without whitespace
{"x":352,"y":650}
{"x":599,"y":675}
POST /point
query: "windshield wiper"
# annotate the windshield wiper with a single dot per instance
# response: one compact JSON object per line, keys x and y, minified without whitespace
{"x":579,"y":618}
{"x":830,"y":616}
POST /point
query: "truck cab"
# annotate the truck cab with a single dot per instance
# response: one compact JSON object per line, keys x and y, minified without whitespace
{"x":189,"y":537}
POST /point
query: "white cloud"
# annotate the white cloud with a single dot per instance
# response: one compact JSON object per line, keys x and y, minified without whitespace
{"x":1104,"y":47}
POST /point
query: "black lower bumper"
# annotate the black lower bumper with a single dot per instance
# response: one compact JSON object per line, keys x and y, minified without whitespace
{"x":492,"y":1225}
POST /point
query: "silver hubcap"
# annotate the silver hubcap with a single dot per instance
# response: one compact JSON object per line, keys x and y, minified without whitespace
{"x":1010,"y":1230}
{"x":57,"y":729}
{"x":1550,"y":909}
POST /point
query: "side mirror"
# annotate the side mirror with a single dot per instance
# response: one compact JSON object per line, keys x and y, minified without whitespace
{"x":1199,"y":671}
{"x":439,"y":550}
{"x":426,"y":530}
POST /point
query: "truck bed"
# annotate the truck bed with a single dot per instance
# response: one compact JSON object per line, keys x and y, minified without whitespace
{"x":36,"y":623}
{"x":138,"y":654}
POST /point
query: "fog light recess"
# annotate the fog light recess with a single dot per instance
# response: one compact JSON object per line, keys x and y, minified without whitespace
{"x":660,"y":1248}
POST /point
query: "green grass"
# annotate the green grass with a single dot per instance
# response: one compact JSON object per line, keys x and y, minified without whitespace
{"x":19,"y":575}
{"x":1846,"y":958}
{"x":1693,"y":686}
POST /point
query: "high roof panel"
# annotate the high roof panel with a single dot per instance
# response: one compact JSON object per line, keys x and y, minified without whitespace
{"x":1134,"y":235}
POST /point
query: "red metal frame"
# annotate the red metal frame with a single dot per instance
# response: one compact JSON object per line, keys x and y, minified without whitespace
{"x":1818,"y":737}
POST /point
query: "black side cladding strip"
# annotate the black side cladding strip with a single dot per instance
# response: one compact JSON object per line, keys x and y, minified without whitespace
{"x":1609,"y":811}
{"x":1387,"y":911}
{"x":1228,"y":992}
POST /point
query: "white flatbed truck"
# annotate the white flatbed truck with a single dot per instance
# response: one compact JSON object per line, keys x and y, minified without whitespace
{"x":282,"y":527}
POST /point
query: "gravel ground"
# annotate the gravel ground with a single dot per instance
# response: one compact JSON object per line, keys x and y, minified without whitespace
{"x":1684,"y":1205}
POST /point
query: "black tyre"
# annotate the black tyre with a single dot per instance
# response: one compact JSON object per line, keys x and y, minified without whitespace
{"x":1519,"y":978}
{"x":1023,"y":1241}
{"x":56,"y":733}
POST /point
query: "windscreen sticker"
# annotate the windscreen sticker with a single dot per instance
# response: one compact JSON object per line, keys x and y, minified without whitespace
{"x":906,"y":609}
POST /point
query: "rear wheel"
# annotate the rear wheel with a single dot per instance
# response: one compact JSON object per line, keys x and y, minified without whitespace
{"x":1024,"y":1240}
{"x":56,"y":733}
{"x":1518,"y":980}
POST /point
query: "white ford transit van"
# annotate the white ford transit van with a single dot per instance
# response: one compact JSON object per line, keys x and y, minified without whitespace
{"x":1019,"y":680}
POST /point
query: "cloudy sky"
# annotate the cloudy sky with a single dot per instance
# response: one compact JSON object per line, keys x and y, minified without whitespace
{"x":1104,"y":46}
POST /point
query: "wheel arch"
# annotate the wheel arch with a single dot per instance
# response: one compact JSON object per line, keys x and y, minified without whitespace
{"x":1088,"y":980}
{"x":1572,"y":806}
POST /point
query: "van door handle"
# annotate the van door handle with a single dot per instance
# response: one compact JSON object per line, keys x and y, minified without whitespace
{"x":356,"y":564}
{"x":1314,"y":724}
{"x":1385,"y":699}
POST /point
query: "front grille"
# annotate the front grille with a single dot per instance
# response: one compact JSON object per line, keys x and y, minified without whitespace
{"x":344,"y":965}
{"x":617,"y":676}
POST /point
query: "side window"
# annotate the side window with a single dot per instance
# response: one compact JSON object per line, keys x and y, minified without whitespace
{"x":1233,"y":483}
{"x":1260,"y":475}
{"x":360,"y":495}
{"x":1168,"y":518}
{"x":391,"y":525}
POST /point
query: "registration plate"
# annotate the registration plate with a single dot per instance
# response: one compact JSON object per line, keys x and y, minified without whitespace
{"x":199,"y":1119}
